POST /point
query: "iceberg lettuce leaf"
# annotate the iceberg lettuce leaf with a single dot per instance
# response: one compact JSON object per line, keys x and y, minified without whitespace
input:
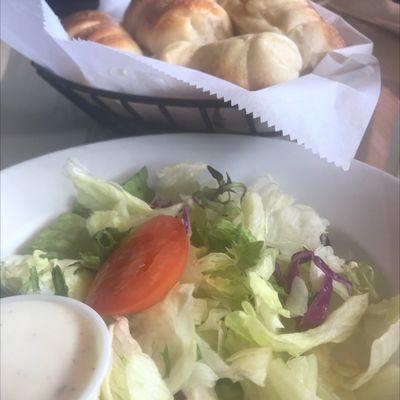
{"x":170,"y":325}
{"x":132,"y":374}
{"x":123,"y":222}
{"x":254,"y":218}
{"x":337,"y":327}
{"x":100,"y":195}
{"x":201,"y":384}
{"x":138,"y":186}
{"x":267,"y":304}
{"x":65,"y":237}
{"x":18,"y":277}
{"x":385,"y":385}
{"x":383,"y":330}
{"x":176,"y":180}
{"x":297,"y":301}
{"x":251,"y":364}
{"x":289,"y":384}
{"x":293,"y":228}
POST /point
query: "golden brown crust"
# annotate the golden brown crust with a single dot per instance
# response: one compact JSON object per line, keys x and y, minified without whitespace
{"x":124,"y":43}
{"x":297,"y":19}
{"x":98,"y":27}
{"x":75,"y":23}
{"x":156,"y":24}
{"x":253,"y":61}
{"x":152,"y":10}
{"x":334,"y":37}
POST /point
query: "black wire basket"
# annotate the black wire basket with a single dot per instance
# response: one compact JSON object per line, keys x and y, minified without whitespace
{"x":130,"y":114}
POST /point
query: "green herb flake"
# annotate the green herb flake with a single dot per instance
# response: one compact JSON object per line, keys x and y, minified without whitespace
{"x":34,"y":279}
{"x":167,"y":362}
{"x":60,"y":287}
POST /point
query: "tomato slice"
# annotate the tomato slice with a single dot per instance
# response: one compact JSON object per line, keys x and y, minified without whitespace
{"x":142,"y":270}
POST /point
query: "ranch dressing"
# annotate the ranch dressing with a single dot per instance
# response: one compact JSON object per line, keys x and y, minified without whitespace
{"x":48,"y":351}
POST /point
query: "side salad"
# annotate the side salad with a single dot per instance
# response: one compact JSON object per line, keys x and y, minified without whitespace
{"x":214,"y":290}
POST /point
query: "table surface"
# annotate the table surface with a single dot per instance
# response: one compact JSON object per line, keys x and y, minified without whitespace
{"x":37,"y":120}
{"x":380,"y":145}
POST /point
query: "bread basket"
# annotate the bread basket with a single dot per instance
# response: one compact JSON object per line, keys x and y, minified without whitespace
{"x":129,"y":114}
{"x":140,"y":94}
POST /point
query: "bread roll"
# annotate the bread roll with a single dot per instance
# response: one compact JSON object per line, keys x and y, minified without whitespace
{"x":248,"y":17}
{"x":294,"y":18}
{"x":314,"y":40}
{"x":253,"y":61}
{"x":99,"y":28}
{"x":179,"y":52}
{"x":155,"y":24}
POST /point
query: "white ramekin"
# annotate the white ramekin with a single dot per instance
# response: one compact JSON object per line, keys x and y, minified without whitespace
{"x":100,"y":331}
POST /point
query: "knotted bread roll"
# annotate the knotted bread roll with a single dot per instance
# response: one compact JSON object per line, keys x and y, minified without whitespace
{"x":253,"y":61}
{"x":155,"y":24}
{"x":179,"y":52}
{"x":98,"y":27}
{"x":294,"y":18}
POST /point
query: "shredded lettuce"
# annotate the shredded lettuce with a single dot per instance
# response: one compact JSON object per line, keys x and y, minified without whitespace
{"x":221,"y":235}
{"x":297,"y":301}
{"x":267,"y":303}
{"x":122,"y":221}
{"x":137,"y":186}
{"x":100,"y":195}
{"x":36,"y":274}
{"x":65,"y":237}
{"x":231,"y":327}
{"x":201,"y":383}
{"x":265,"y":267}
{"x":293,"y":228}
{"x":335,"y":264}
{"x":382,"y":331}
{"x":385,"y":385}
{"x":70,"y":236}
{"x":361,"y":275}
{"x":214,"y":316}
{"x":254,"y":218}
{"x":272,"y":196}
{"x":350,"y":367}
{"x":306,"y":370}
{"x":338,"y":326}
{"x":177,"y":180}
{"x":132,"y":374}
{"x":295,"y":380}
{"x":251,"y":364}
{"x":214,"y":361}
{"x":213,"y":262}
{"x":382,"y":350}
{"x":229,"y":288}
{"x":170,"y":325}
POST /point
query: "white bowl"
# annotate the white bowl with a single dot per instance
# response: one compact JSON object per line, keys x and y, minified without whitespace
{"x":361,"y":204}
{"x":100,"y":331}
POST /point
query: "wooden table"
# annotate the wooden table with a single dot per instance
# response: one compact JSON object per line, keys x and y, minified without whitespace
{"x":380,"y":145}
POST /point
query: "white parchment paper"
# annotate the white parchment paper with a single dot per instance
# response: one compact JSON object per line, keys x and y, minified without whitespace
{"x":327,"y":110}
